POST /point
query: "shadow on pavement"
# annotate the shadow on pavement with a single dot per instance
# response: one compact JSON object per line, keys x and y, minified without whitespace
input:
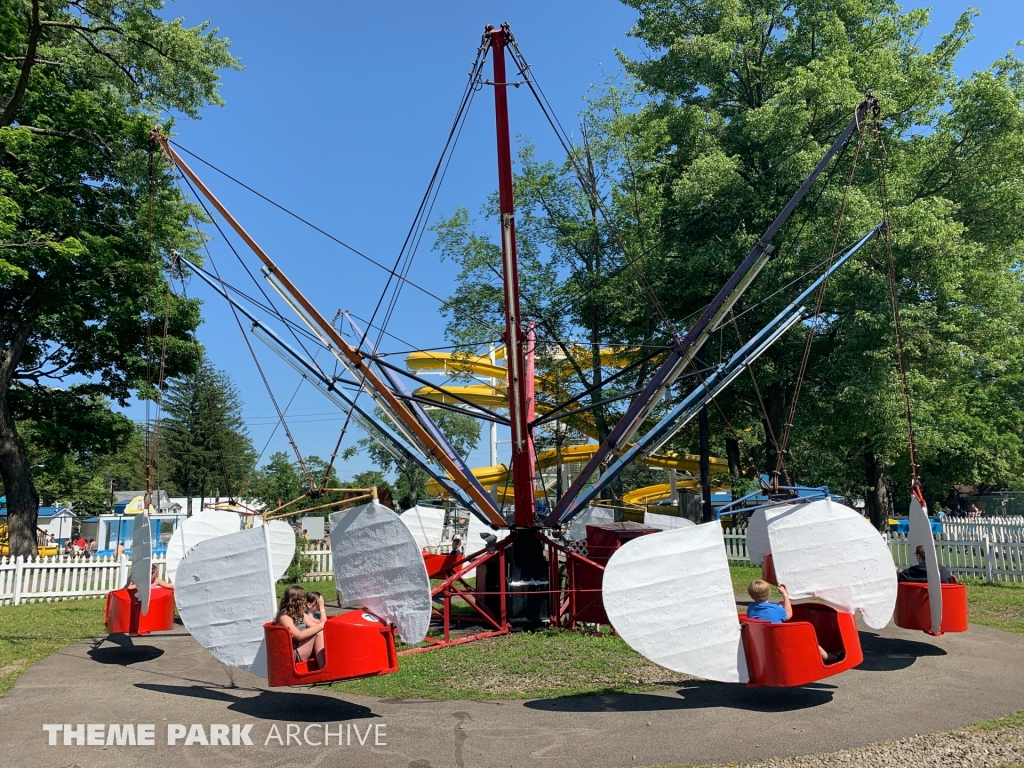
{"x":125,"y":655}
{"x":698,"y":697}
{"x":887,"y":654}
{"x":272,"y":705}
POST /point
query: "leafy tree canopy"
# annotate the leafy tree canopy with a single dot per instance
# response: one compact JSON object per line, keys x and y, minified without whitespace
{"x":87,"y":216}
{"x":738,"y":87}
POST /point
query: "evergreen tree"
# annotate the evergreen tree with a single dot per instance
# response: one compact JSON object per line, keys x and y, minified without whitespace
{"x":208,"y":447}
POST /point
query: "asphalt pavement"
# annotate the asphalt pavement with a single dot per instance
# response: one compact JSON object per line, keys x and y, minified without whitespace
{"x":909,"y":684}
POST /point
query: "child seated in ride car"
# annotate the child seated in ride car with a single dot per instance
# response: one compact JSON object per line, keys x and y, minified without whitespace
{"x":307,"y":636}
{"x":774,"y":613}
{"x":315,"y":605}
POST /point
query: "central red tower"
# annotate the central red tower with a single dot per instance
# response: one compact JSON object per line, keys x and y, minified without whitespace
{"x":520,"y":385}
{"x":527,"y":576}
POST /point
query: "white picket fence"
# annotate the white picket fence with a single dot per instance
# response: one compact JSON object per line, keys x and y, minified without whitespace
{"x":1002,"y":530}
{"x":322,"y":569}
{"x":75,"y":577}
{"x":63,"y":577}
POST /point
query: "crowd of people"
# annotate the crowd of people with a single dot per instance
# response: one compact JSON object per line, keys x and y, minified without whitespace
{"x":77,"y":545}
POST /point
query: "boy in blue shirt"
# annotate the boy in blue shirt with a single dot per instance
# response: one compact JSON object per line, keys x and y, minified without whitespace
{"x":774,"y":613}
{"x":759,"y":592}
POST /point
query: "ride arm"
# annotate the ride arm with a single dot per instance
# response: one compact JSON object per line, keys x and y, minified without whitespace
{"x":328,"y":386}
{"x":683,"y":349}
{"x":418,"y":410}
{"x":404,"y":418}
{"x":690,"y":406}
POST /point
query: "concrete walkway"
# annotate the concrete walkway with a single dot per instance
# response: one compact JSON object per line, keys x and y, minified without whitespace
{"x":909,"y":684}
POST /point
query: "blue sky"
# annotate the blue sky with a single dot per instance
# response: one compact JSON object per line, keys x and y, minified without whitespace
{"x":340,"y":115}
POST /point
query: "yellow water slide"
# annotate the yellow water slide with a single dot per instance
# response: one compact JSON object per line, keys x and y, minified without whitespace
{"x":662,"y":491}
{"x":496,"y":396}
{"x":578,"y":454}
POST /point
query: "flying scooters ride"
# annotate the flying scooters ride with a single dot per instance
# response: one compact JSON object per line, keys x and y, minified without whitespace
{"x":640,"y":581}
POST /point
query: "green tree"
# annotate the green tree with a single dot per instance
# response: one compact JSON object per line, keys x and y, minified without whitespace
{"x":204,"y":436}
{"x":81,"y":84}
{"x":282,"y":480}
{"x":71,"y":437}
{"x":738,"y":86}
{"x":576,"y":287}
{"x":462,"y":431}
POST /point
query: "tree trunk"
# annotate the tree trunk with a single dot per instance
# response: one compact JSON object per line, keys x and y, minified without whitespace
{"x":732,"y":453}
{"x":876,"y":499}
{"x":22,"y":498}
{"x":15,"y":470}
{"x":775,"y":404}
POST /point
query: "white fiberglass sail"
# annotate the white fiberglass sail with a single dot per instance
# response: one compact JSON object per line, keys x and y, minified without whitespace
{"x":378,"y":566}
{"x":670,"y":597}
{"x":921,"y":535}
{"x":142,"y":559}
{"x":225,"y":594}
{"x":203,"y":525}
{"x":826,"y":550}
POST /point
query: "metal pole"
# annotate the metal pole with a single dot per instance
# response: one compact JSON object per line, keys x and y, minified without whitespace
{"x":527,"y":567}
{"x":707,"y":512}
{"x":519,"y":394}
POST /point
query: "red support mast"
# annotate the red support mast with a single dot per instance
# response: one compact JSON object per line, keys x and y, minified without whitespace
{"x":527,"y":576}
{"x":520,"y":386}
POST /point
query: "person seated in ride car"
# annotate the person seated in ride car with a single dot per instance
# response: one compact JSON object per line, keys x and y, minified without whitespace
{"x":156,"y":581}
{"x":307,"y":638}
{"x":456,"y":546}
{"x":919,"y":573}
{"x":774,"y":613}
{"x":315,"y":606}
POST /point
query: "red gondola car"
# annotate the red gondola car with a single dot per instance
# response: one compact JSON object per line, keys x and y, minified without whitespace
{"x":786,"y":655}
{"x":356,"y":644}
{"x":438,"y":564}
{"x":913,"y":610}
{"x":123,"y":613}
{"x":768,"y":571}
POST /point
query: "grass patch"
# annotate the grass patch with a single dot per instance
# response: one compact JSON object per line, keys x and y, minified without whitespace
{"x":742,"y":575}
{"x":33,"y":631}
{"x":999,"y":605}
{"x":325,"y":588}
{"x":1015,"y":720}
{"x":527,"y":665}
{"x":519,"y":666}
